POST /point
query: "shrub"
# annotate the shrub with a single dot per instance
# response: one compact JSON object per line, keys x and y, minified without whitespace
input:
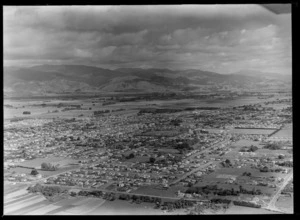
{"x":34,"y":172}
{"x":273,"y":146}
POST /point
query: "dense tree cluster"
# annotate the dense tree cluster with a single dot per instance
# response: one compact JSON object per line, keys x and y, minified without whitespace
{"x":73,"y":194}
{"x":213,"y":189}
{"x":127,"y":197}
{"x":49,"y":166}
{"x":273,"y":146}
{"x":176,"y":122}
{"x":98,"y":194}
{"x":285,"y":163}
{"x":130,"y":156}
{"x":100,"y":112}
{"x":252,"y":148}
{"x":218,"y":201}
{"x":183,"y":146}
{"x":247,"y":204}
{"x":118,"y":110}
{"x":151,"y":159}
{"x":46,"y":190}
{"x":266,"y":169}
{"x":158,"y":111}
{"x":226,"y":163}
{"x":179,"y":204}
{"x":201,"y":108}
{"x":247,"y":174}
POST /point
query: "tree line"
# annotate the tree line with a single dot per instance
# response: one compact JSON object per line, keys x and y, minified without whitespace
{"x":222,"y":192}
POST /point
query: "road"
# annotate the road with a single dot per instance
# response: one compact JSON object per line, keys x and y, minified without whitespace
{"x":271,"y":205}
{"x":189,"y":173}
{"x":205,"y":150}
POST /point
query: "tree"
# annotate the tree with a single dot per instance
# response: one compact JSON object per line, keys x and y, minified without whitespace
{"x":253,"y":148}
{"x":227,"y":163}
{"x":45,"y":166}
{"x":56,"y":166}
{"x":34,"y":172}
{"x":73,"y":194}
{"x":264,"y":169}
{"x":134,"y":197}
{"x":151,"y":159}
{"x":190,"y":184}
{"x":232,"y":191}
{"x":130,"y":156}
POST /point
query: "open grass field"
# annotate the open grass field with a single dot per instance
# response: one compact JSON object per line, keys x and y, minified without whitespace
{"x":60,"y":170}
{"x":285,"y":203}
{"x":53,"y":160}
{"x":269,"y":152}
{"x":240,"y":171}
{"x":47,"y":112}
{"x":38,"y":205}
{"x":238,"y":210}
{"x":24,"y":203}
{"x":242,"y":143}
{"x":118,"y":207}
{"x":20,"y":170}
{"x":252,"y":131}
{"x":10,"y":188}
{"x":214,"y":130}
{"x":284,"y":133}
{"x":151,"y":190}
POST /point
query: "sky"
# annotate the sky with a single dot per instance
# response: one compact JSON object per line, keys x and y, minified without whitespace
{"x":218,"y":38}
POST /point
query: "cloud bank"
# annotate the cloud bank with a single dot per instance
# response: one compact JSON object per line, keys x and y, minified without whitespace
{"x":221,"y":38}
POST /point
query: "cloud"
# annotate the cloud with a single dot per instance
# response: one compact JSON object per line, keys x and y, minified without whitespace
{"x":221,"y":37}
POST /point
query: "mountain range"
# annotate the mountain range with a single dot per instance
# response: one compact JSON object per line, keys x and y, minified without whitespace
{"x":46,"y":79}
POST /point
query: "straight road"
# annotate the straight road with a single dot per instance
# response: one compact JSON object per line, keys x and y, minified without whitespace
{"x":192,"y":171}
{"x":205,"y":150}
{"x":272,"y":202}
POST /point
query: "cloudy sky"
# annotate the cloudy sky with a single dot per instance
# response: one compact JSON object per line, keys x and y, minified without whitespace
{"x":220,"y":38}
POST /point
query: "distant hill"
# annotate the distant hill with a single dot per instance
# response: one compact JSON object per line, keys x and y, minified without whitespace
{"x":43,"y":79}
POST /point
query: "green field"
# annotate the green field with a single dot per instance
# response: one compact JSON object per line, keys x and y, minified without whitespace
{"x":284,"y":133}
{"x":252,"y":131}
{"x":54,"y":160}
{"x":285,"y":203}
{"x":151,"y":190}
{"x":240,"y":210}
